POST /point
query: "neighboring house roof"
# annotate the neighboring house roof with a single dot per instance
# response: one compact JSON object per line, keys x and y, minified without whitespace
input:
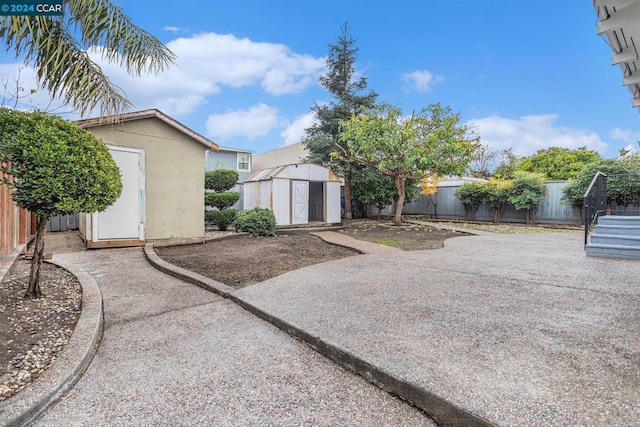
{"x":146,"y":114}
{"x":620,"y":23}
{"x":281,"y":172}
{"x":235,"y":150}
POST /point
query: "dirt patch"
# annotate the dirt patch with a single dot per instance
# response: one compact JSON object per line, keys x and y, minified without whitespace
{"x":245,"y":260}
{"x":408,"y":237}
{"x":33,"y":332}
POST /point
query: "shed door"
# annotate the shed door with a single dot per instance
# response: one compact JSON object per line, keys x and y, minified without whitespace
{"x":300,"y":205}
{"x":123,"y":220}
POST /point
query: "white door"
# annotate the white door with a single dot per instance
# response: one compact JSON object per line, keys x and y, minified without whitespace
{"x":125,"y":218}
{"x":300,"y":205}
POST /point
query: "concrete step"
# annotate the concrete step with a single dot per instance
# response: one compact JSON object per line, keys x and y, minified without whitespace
{"x":612,"y":251}
{"x":625,"y":230}
{"x":619,"y":220}
{"x":616,"y":239}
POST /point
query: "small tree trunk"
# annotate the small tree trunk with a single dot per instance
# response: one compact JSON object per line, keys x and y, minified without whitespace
{"x":347,"y":197}
{"x":379,"y":211}
{"x":435,"y":205}
{"x":397,"y":220}
{"x":33,"y":291}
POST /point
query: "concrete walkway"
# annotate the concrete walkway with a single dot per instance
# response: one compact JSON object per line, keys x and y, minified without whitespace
{"x":512,"y":329}
{"x":491,"y":329}
{"x":175,"y":354}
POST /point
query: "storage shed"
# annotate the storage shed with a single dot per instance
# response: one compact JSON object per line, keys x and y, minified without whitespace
{"x":297,"y":194}
{"x":162,"y":165}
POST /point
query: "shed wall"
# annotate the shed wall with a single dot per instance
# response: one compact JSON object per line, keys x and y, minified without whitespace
{"x":174,"y":175}
{"x":333,"y":202}
{"x":281,"y":201}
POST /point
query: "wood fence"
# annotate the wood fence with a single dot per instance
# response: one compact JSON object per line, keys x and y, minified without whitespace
{"x":15,"y":223}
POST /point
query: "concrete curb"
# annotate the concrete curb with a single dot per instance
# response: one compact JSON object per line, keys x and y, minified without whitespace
{"x":186,"y":275}
{"x":27,"y":405}
{"x":445,"y":413}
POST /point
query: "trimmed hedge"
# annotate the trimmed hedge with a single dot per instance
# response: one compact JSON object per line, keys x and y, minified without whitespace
{"x":221,"y":219}
{"x":257,"y":222}
{"x":220,"y":180}
{"x":221,"y":200}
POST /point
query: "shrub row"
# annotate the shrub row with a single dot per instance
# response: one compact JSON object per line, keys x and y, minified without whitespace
{"x":526,"y":191}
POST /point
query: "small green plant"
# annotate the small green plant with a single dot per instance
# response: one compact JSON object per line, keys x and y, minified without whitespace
{"x":470,"y":195}
{"x":495,"y":193}
{"x":221,"y":219}
{"x":257,"y":222}
{"x":527,"y":192}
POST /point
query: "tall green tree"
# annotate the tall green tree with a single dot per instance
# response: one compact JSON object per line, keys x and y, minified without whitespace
{"x":408,"y":148}
{"x":347,"y":90}
{"x":57,"y":46}
{"x":57,"y":168}
{"x":558,"y":163}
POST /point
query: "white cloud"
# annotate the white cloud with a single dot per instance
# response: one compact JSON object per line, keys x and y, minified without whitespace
{"x":625,"y":135}
{"x":208,"y":62}
{"x":173,"y":29}
{"x":296,"y":131}
{"x":528,"y":134}
{"x":252,"y":123}
{"x":421,"y":81}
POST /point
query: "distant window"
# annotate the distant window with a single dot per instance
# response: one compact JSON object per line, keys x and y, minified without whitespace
{"x":244,"y":161}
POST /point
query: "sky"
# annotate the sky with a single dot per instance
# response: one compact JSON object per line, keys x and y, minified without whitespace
{"x":525,"y":75}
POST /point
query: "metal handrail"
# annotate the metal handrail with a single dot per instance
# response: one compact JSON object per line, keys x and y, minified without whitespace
{"x":595,"y":202}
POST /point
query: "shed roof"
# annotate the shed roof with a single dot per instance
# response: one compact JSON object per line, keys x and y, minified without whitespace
{"x":146,"y":114}
{"x":294,"y":171}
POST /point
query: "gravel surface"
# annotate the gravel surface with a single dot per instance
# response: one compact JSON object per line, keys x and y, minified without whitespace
{"x":33,"y":332}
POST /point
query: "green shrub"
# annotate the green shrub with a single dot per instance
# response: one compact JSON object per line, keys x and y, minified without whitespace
{"x":495,"y":193}
{"x":257,"y":221}
{"x":221,"y":200}
{"x":220,"y":180}
{"x":470,"y":195}
{"x":527,"y":192}
{"x":221,"y":219}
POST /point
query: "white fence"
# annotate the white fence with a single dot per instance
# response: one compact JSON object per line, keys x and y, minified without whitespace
{"x":551,"y":210}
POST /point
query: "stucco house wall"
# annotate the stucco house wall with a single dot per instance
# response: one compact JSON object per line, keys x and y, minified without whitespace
{"x":174,"y":165}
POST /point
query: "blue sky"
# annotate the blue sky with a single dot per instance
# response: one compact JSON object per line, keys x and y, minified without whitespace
{"x":527,"y":75}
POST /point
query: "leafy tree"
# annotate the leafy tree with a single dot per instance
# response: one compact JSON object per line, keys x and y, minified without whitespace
{"x":508,"y":166}
{"x":219,"y":181}
{"x":58,"y":168}
{"x":429,"y":188}
{"x":527,"y":192}
{"x":559,"y":163}
{"x":621,"y":190}
{"x":470,"y":195}
{"x":495,"y":193}
{"x":407,"y":148}
{"x":57,"y":46}
{"x":324,"y":136}
{"x":370,"y":187}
